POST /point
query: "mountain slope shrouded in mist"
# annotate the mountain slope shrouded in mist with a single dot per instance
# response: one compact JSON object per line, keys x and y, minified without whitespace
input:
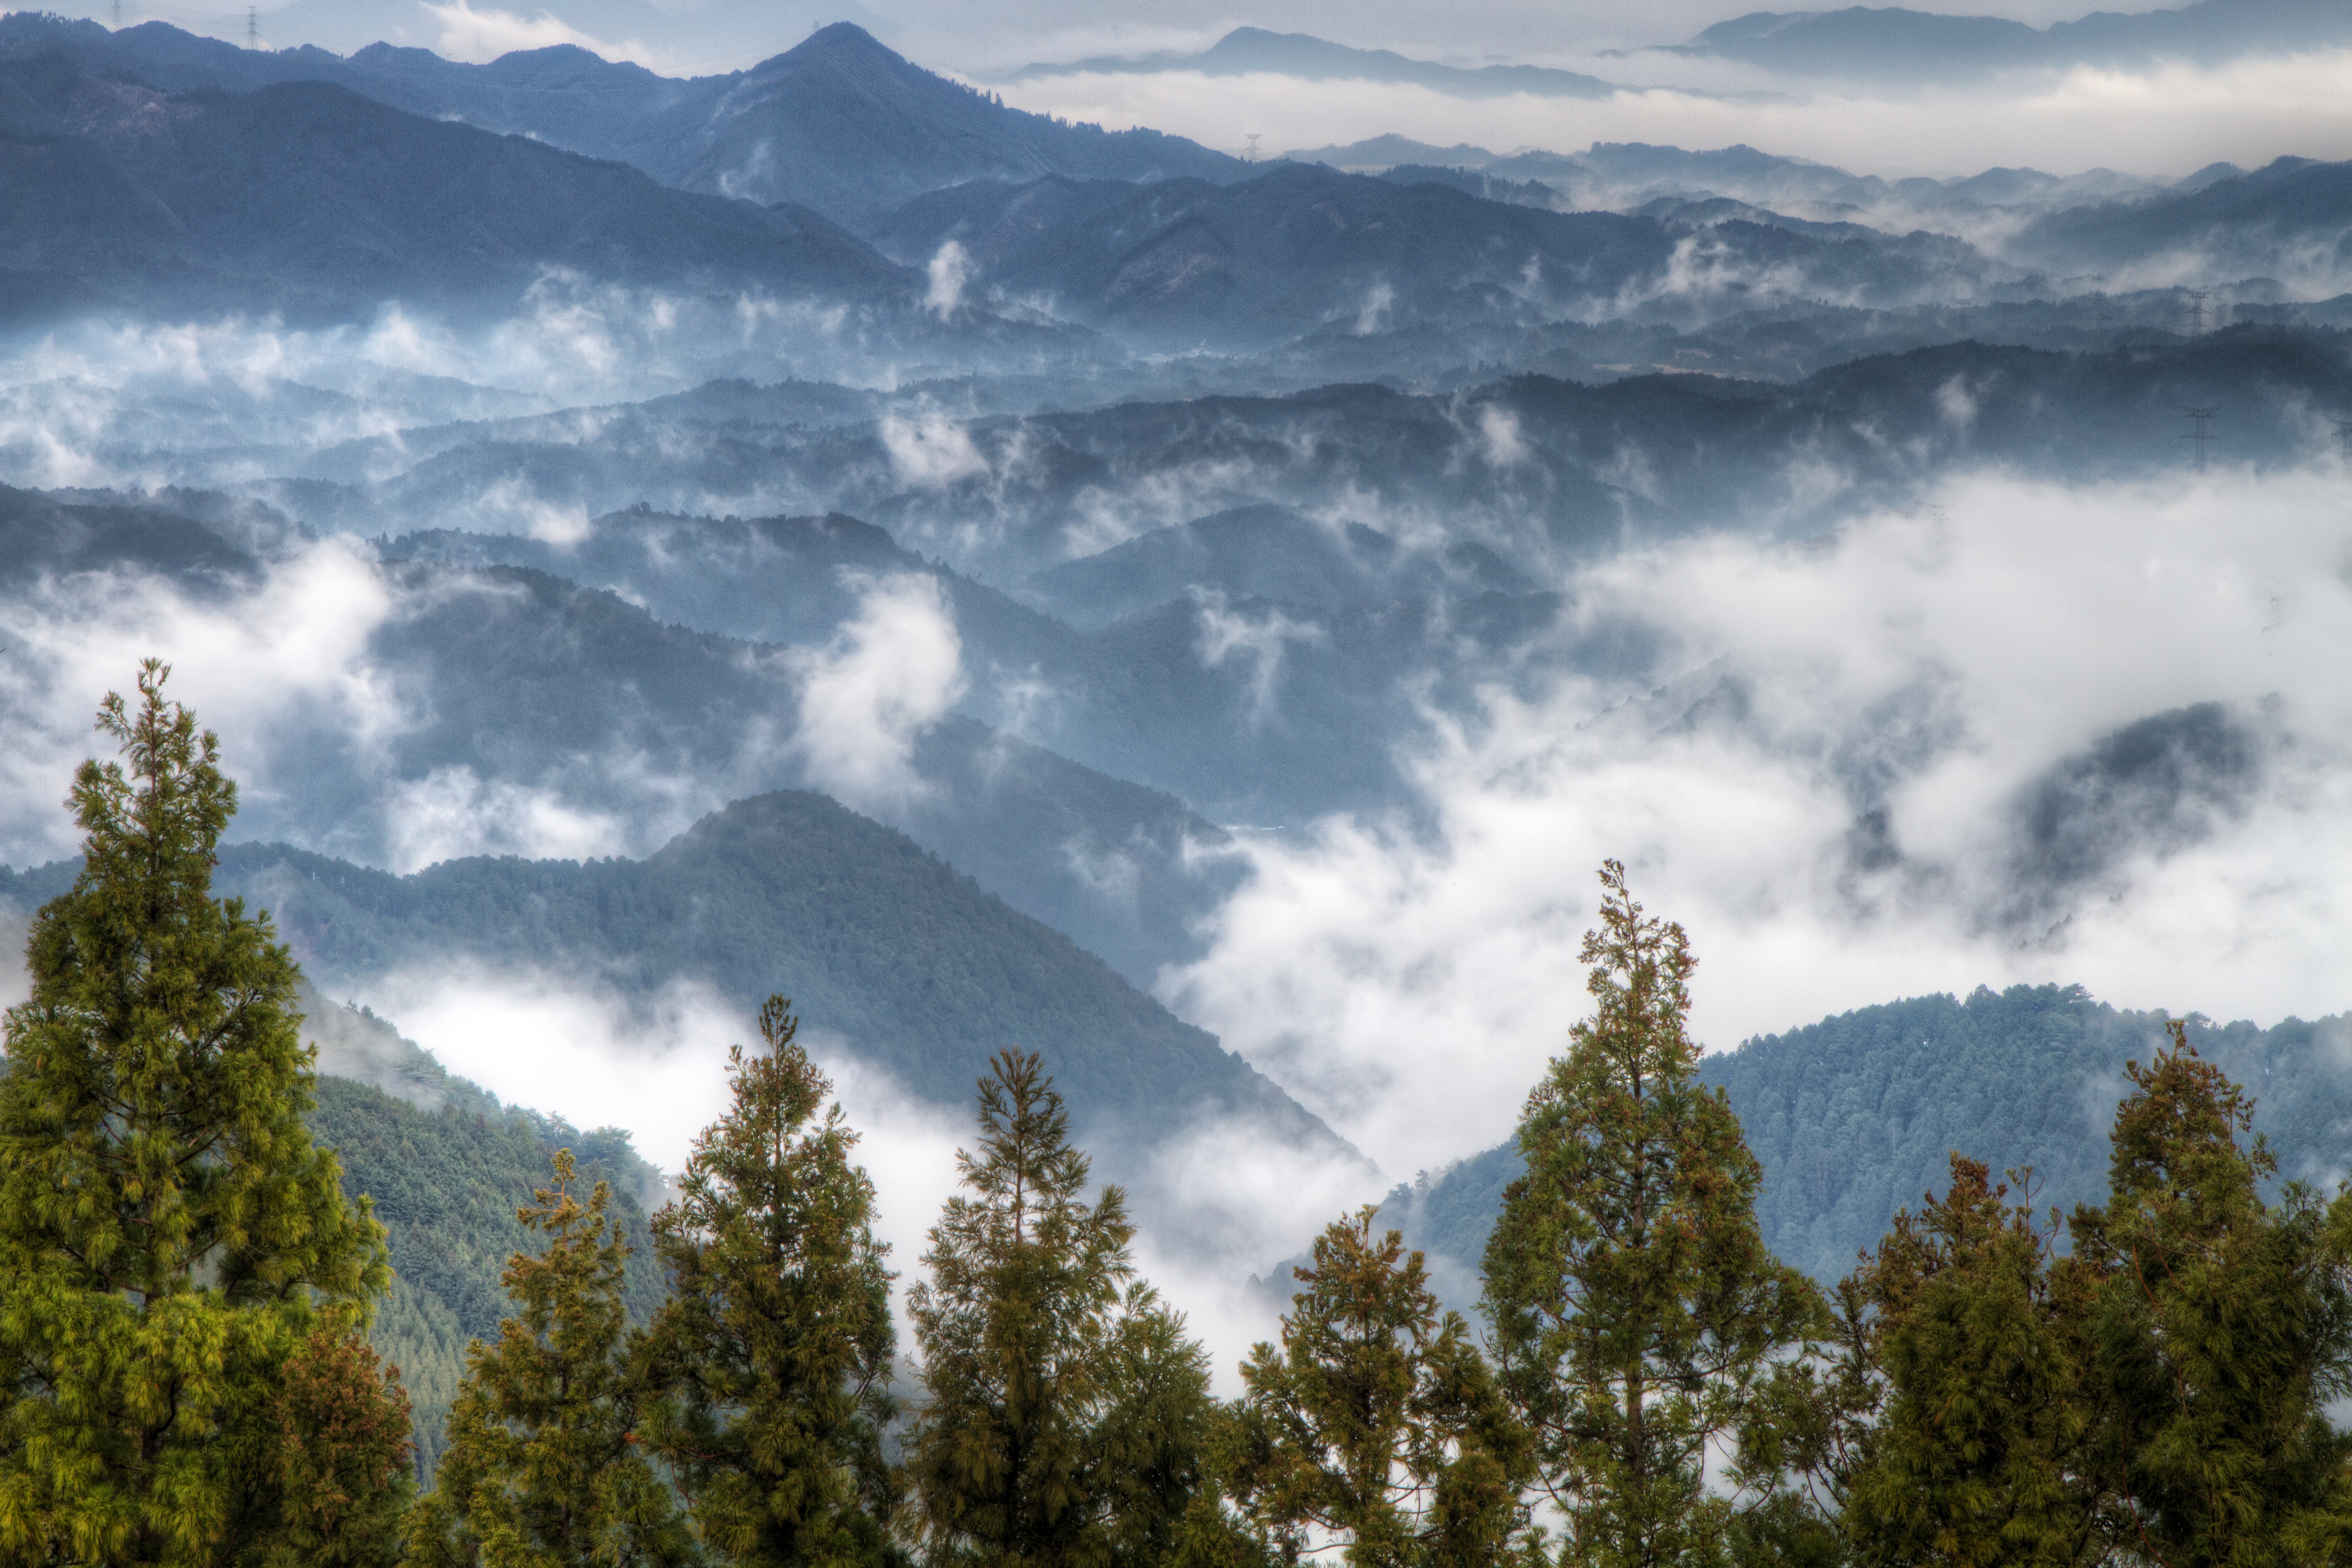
{"x":1856,"y":1115}
{"x":1309,"y":58}
{"x":309,"y":199}
{"x":878,"y":943}
{"x":837,"y":124}
{"x":1895,"y":45}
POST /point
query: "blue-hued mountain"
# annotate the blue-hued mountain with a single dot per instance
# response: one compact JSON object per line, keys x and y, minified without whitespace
{"x":1295,"y":248}
{"x":2293,"y":215}
{"x":1248,"y":50}
{"x":515,"y":692}
{"x":1857,"y":1115}
{"x":1897,"y":44}
{"x":881,"y":945}
{"x":309,"y":199}
{"x":838,"y":123}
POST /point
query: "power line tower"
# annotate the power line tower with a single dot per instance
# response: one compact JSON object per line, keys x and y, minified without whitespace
{"x":2344,"y":435}
{"x":252,"y":27}
{"x":2101,"y":316}
{"x":1249,"y":153}
{"x":117,"y":15}
{"x":2195,"y":309}
{"x":2201,"y":419}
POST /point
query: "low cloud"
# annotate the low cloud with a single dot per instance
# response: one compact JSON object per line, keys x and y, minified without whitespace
{"x":2170,"y":120}
{"x":1957,"y":746}
{"x":479,"y":37}
{"x":867,"y":697}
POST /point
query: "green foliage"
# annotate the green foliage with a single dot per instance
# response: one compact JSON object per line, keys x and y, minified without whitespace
{"x":445,"y":1183}
{"x":1377,"y":1422}
{"x":1981,"y":1458}
{"x":343,"y":1451}
{"x":770,"y":1362}
{"x":2222,"y":1328}
{"x":172,"y":1241}
{"x":1638,"y":1315}
{"x":541,"y":1470}
{"x":1063,"y":1411}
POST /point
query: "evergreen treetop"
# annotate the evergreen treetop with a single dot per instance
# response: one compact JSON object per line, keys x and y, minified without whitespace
{"x":1638,"y":1315}
{"x":1051,"y":1374}
{"x":769,"y":1367}
{"x":172,"y":1241}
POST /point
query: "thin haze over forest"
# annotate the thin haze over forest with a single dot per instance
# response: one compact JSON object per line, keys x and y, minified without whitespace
{"x":1178,"y":541}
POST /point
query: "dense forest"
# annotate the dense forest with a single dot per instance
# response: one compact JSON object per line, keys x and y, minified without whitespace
{"x":216,"y":1352}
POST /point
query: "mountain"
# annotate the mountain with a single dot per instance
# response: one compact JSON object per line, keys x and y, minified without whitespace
{"x":838,"y":123}
{"x":505,"y":697}
{"x":1268,"y":553}
{"x":309,"y":199}
{"x":878,"y":943}
{"x":1297,"y":249}
{"x":1117,"y":682}
{"x":1245,"y":50}
{"x":2291,"y":217}
{"x":1855,"y":1116}
{"x":1894,"y":44}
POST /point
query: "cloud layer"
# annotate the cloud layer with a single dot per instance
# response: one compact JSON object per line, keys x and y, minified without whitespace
{"x":2171,"y":120}
{"x":1929,"y":750}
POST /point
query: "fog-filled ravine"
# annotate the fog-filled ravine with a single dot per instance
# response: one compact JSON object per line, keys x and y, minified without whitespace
{"x":660,"y":516}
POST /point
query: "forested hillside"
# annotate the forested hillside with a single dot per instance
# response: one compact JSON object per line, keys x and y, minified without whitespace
{"x":1856,"y":1115}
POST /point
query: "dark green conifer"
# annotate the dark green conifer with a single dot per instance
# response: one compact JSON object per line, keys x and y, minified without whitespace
{"x":1980,"y":1459}
{"x":542,"y":1469}
{"x":2221,"y":1330}
{"x":1055,"y":1384}
{"x":770,"y":1364}
{"x":172,"y":1241}
{"x":1377,"y":1424}
{"x":1639,"y":1318}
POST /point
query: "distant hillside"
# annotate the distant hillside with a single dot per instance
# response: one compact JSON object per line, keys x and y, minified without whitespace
{"x":1118,"y":683}
{"x":876,"y":942}
{"x":309,"y":199}
{"x":838,"y":123}
{"x":520,"y":689}
{"x":1297,"y":248}
{"x":2293,"y":215}
{"x":1897,"y":44}
{"x":1309,"y":58}
{"x":1855,"y":1116}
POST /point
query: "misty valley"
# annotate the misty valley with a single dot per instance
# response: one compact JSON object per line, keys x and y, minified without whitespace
{"x":851,"y":810}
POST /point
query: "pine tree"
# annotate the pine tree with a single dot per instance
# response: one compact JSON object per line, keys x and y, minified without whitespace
{"x":771,"y":1362}
{"x":1638,"y":1316}
{"x":1053,"y":1379}
{"x":1377,"y":1423}
{"x":344,"y":1453}
{"x":1980,"y":1457}
{"x":2221,"y":1328}
{"x":542,"y":1469}
{"x":172,"y":1241}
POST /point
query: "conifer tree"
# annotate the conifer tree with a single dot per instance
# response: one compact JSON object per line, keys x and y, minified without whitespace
{"x":770,"y":1364}
{"x":173,"y":1245}
{"x":542,"y":1469}
{"x":1377,"y":1423}
{"x":1638,"y":1316}
{"x":1052,"y":1378}
{"x":1980,"y":1457}
{"x":2221,"y":1328}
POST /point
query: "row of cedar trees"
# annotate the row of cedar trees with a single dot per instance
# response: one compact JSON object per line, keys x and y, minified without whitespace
{"x":185,"y":1295}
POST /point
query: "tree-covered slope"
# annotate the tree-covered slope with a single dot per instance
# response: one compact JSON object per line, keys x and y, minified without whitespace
{"x":877,"y":942}
{"x":1856,"y":1115}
